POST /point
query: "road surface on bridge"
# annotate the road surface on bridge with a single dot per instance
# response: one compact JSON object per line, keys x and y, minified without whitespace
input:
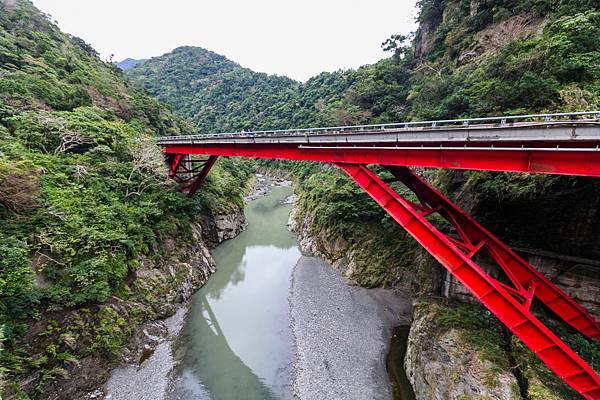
{"x":551,"y":143}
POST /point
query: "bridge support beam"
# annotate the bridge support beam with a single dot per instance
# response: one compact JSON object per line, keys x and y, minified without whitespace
{"x":516,"y":159}
{"x":510,"y":297}
{"x":190,"y":173}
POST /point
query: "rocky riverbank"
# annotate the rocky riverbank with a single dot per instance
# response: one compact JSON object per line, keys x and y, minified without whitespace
{"x":263,"y":182}
{"x":133,"y":323}
{"x":128,"y":326}
{"x":148,"y":379}
{"x":350,"y":319}
{"x":434,"y":355}
{"x":165,"y":288}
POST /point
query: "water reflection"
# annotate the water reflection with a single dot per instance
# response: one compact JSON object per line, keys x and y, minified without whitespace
{"x":236,"y":342}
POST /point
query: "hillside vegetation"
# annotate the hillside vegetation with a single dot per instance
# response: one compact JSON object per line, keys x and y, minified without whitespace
{"x":214,"y":92}
{"x":83,"y":190}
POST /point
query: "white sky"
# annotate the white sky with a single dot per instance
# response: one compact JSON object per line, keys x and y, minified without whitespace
{"x":297,"y":38}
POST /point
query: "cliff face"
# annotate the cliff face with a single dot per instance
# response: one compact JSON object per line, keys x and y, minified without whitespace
{"x":550,"y":221}
{"x":217,"y":228}
{"x":413,"y":272}
{"x":565,"y":209}
{"x":578,"y":278}
{"x":458,"y":349}
{"x":129,"y":325}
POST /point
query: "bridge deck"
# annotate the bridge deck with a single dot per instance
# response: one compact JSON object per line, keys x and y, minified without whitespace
{"x":579,"y":134}
{"x":551,"y":144}
{"x":579,"y":129}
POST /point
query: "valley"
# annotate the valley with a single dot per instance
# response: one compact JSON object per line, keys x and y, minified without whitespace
{"x":105,"y":266}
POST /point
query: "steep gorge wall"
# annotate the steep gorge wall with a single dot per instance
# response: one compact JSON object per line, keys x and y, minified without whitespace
{"x":129,"y":325}
{"x":578,"y":278}
{"x":551,"y":221}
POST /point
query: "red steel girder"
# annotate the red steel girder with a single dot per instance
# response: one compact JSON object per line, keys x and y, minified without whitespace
{"x":182,"y":169}
{"x":556,"y":161}
{"x":490,"y":292}
{"x":202,"y":175}
{"x":177,"y":158}
{"x":526,"y":279}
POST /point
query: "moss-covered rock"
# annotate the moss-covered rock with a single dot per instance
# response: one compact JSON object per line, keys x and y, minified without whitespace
{"x":456,"y":352}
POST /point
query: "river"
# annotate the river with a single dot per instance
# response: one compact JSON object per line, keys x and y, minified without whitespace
{"x":272,"y":323}
{"x":236,"y":341}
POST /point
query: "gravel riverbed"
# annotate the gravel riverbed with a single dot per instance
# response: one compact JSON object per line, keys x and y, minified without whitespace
{"x":342,"y":334}
{"x":149,"y":380}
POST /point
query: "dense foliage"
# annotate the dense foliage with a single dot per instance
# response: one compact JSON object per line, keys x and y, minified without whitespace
{"x":216,"y":93}
{"x":83,"y":188}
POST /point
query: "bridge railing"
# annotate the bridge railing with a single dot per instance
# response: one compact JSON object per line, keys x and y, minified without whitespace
{"x":465,"y":123}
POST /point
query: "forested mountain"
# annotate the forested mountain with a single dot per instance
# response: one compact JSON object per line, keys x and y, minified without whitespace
{"x":83,"y":196}
{"x":220,"y":95}
{"x":468,"y":58}
{"x":216,"y":93}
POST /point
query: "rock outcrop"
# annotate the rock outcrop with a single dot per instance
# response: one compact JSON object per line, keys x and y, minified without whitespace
{"x":328,"y":246}
{"x":217,"y":228}
{"x":419,"y":276}
{"x":441,"y":364}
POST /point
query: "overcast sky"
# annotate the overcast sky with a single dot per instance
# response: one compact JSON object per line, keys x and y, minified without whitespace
{"x":297,"y":38}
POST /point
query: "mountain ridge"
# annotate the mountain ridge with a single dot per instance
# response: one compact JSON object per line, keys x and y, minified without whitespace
{"x":187,"y":74}
{"x":467,"y":59}
{"x":129,"y":63}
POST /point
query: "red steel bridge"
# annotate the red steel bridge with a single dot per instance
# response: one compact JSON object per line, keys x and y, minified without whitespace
{"x":567,"y":144}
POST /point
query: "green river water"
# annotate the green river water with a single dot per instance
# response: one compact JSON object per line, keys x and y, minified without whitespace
{"x":236,"y":341}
